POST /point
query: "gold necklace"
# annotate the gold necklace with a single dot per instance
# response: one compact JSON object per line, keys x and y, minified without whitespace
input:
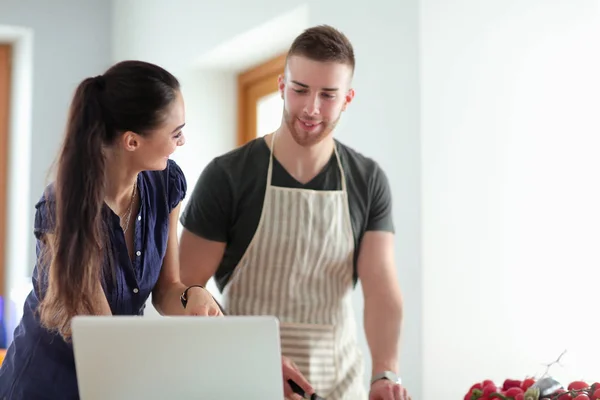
{"x":128,"y":212}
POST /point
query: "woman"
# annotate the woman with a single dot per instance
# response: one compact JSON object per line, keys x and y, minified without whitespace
{"x":106,"y":228}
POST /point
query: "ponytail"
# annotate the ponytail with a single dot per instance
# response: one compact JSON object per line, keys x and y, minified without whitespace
{"x":78,"y":243}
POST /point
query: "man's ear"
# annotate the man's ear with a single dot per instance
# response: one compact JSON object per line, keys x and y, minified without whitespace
{"x":348,"y":99}
{"x":281,"y":84}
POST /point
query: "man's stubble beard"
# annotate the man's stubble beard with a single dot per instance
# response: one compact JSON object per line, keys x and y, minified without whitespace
{"x":306,"y":139}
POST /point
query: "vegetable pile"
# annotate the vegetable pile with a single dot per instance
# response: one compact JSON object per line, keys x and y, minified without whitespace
{"x":526,"y":390}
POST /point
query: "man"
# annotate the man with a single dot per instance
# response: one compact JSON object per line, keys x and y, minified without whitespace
{"x":286,"y":224}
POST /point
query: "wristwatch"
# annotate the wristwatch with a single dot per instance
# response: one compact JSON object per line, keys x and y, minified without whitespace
{"x":389,"y":375}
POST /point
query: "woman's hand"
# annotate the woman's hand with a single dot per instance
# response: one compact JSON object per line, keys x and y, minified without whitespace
{"x":201,"y":303}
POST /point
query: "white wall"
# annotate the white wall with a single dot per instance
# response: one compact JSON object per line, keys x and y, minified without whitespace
{"x":510,"y":190}
{"x":382,"y":122}
{"x":69,"y":40}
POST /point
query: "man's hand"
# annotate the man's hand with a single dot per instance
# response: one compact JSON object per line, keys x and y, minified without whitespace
{"x":384,"y":389}
{"x":290,"y":371}
{"x":201,"y":303}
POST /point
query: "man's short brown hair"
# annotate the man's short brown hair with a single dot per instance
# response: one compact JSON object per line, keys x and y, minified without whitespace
{"x":323,"y":43}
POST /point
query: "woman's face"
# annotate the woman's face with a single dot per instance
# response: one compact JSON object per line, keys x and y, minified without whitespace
{"x":154,"y":149}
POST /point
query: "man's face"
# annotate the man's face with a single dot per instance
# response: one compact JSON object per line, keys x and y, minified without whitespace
{"x":314,"y":94}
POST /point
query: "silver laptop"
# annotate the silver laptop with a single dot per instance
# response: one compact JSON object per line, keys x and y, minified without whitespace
{"x":224,"y":358}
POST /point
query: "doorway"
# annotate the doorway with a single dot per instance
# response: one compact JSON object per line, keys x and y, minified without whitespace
{"x":5,"y":77}
{"x":259,"y":102}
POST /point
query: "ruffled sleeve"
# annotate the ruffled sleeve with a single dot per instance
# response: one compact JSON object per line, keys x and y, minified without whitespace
{"x":177,"y":185}
{"x":45,"y":211}
{"x":43,"y":223}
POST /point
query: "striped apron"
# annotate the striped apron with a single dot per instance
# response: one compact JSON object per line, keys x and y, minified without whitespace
{"x":299,"y":268}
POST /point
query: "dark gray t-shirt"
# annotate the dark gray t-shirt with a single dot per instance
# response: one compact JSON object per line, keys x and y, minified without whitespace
{"x":227,"y":200}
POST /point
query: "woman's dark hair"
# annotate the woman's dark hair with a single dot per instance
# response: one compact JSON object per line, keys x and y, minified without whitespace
{"x":130,"y":96}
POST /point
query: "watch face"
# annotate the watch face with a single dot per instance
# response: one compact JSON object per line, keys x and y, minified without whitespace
{"x":391,"y":376}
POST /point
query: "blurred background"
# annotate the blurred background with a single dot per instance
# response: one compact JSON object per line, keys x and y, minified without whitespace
{"x":484,"y":115}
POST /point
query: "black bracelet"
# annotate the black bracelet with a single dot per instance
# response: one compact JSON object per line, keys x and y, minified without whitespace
{"x":183,"y":296}
{"x":184,"y":299}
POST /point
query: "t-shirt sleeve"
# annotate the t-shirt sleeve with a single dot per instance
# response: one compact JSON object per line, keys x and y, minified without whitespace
{"x":208,"y":212}
{"x":380,"y":211}
{"x":177,"y":185}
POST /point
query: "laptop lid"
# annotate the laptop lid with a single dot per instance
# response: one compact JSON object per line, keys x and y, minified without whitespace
{"x":128,"y":357}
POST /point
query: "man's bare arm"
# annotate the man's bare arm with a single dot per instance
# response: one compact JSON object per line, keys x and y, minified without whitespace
{"x":199,"y":258}
{"x":382,"y":299}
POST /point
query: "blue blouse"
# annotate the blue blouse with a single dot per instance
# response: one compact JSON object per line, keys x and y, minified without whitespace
{"x":39,"y":364}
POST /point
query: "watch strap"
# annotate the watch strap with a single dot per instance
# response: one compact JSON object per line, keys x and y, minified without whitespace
{"x":388,"y":375}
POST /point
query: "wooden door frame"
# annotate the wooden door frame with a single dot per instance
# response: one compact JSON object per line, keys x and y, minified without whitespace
{"x":253,"y":85}
{"x":6,"y":54}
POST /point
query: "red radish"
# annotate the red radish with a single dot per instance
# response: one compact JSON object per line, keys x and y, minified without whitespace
{"x":527,"y":383}
{"x":582,"y":396}
{"x":489,"y":389}
{"x":512,"y":392}
{"x":578,"y":385}
{"x":565,"y":396}
{"x":510,"y":383}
